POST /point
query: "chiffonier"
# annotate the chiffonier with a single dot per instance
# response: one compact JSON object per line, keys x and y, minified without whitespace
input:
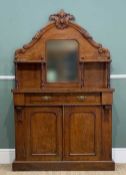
{"x":63,"y":100}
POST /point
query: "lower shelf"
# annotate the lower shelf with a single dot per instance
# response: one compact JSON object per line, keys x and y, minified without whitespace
{"x":63,"y":166}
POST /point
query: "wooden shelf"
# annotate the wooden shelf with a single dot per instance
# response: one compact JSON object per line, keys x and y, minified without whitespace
{"x":43,"y":61}
{"x":95,"y":60}
{"x":30,"y":61}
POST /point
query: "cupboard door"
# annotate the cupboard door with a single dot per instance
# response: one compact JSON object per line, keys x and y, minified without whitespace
{"x":44,"y":133}
{"x":82,"y":133}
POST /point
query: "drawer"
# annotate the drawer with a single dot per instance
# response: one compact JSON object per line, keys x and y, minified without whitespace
{"x":84,"y":98}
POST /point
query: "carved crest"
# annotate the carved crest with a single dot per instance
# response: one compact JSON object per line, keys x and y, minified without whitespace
{"x":61,"y":19}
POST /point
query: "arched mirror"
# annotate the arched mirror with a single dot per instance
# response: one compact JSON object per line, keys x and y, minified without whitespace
{"x":62,"y":60}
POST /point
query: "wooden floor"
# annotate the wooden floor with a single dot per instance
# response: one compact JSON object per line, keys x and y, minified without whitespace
{"x":120,"y":170}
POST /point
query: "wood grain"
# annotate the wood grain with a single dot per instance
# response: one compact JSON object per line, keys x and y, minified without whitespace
{"x":67,"y":125}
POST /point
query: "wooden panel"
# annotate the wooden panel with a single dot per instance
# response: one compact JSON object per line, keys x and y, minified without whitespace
{"x":29,"y":75}
{"x":44,"y":133}
{"x":79,"y":98}
{"x":20,"y":135}
{"x":76,"y":146}
{"x":82,"y":127}
{"x":95,"y":75}
{"x":19,"y":99}
{"x":107,"y":98}
{"x":107,"y":133}
{"x":45,"y":130}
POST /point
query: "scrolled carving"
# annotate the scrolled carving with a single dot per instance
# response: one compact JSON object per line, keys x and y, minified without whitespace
{"x":30,"y":44}
{"x":19,"y":113}
{"x":61,"y":19}
{"x":104,"y":51}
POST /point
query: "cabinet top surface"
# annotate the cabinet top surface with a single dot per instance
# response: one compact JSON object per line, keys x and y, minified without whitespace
{"x":98,"y":90}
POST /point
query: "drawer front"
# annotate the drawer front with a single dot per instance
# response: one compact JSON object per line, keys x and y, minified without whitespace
{"x":84,"y":98}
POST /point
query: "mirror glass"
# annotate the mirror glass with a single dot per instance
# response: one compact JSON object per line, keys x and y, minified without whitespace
{"x":62,"y":60}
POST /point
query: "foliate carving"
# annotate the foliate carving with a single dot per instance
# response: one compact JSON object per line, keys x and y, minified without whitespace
{"x":61,"y":19}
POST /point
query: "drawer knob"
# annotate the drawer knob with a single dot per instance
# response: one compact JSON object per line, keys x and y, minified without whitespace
{"x":81,"y":97}
{"x":46,"y":97}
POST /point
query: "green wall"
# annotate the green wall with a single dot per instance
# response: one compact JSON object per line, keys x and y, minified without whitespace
{"x":21,"y":19}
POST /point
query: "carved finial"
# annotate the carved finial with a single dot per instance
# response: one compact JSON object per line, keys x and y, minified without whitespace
{"x":61,"y":19}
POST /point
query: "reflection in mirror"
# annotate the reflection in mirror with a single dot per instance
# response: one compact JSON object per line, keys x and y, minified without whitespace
{"x":62,"y":56}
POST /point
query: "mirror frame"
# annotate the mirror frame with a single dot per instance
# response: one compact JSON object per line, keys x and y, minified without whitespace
{"x":68,"y":83}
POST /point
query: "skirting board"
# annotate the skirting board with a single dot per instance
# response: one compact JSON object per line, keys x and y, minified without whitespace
{"x":8,"y":155}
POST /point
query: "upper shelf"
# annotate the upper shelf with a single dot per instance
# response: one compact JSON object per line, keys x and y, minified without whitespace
{"x":95,"y":60}
{"x":29,"y":61}
{"x":81,"y":61}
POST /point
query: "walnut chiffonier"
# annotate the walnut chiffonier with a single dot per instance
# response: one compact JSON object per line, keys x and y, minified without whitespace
{"x":63,"y":100}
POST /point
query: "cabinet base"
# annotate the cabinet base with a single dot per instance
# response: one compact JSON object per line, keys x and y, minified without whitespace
{"x":63,"y":166}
